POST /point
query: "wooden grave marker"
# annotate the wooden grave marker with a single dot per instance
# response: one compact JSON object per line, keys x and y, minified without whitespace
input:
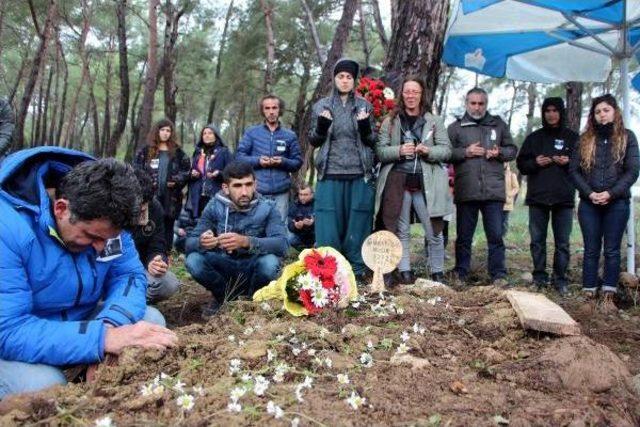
{"x":381,"y":252}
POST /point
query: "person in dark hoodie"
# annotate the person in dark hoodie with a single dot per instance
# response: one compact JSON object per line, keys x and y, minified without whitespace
{"x":169,"y":168}
{"x":209,"y":159}
{"x":148,"y":236}
{"x":481,"y":143}
{"x":342,"y":130}
{"x":72,"y":288}
{"x":239,"y":240}
{"x":544,"y":159}
{"x":604,"y":167}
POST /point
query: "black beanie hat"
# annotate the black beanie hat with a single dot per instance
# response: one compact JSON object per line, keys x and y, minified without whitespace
{"x":556,"y":102}
{"x":347,"y":65}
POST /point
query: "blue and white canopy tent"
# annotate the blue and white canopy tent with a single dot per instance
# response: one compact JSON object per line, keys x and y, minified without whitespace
{"x":548,"y":41}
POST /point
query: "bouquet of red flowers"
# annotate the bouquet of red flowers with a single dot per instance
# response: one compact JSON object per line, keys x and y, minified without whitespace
{"x":320,"y":278}
{"x":380,"y":96}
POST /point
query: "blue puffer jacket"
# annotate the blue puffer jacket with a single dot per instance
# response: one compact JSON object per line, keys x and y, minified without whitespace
{"x":260,"y":141}
{"x":47,"y":293}
{"x":261,"y":221}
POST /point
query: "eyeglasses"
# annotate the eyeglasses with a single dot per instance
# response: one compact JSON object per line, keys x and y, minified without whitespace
{"x":411,"y":92}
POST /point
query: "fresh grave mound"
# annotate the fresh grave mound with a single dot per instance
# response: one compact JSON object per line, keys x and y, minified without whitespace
{"x":426,"y":356}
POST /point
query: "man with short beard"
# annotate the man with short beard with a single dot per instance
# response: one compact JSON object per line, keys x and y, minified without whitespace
{"x":481,"y":144}
{"x":239,"y":240}
{"x":273,"y":152}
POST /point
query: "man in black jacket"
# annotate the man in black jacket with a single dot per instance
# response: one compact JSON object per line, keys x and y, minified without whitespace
{"x":544,"y":158}
{"x":148,"y":237}
{"x":481,"y":143}
{"x":7,"y":123}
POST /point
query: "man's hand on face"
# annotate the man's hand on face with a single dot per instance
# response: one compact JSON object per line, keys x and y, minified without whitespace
{"x":208,"y":240}
{"x":475,"y":150}
{"x":543,"y":161}
{"x":233,"y":241}
{"x":142,"y":334}
{"x":157,"y":267}
{"x":493,"y":152}
{"x":561,"y":160}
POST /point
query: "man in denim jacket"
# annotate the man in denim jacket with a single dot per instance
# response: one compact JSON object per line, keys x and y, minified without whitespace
{"x":239,"y":240}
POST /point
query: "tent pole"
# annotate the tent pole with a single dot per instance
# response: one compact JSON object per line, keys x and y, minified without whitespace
{"x":626,"y":117}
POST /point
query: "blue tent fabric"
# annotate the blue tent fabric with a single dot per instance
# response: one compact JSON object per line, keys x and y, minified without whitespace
{"x":510,"y":38}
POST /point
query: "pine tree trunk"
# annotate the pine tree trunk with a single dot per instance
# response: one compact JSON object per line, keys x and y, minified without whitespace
{"x":417,"y":42}
{"x":363,"y":35}
{"x":123,"y":73}
{"x":267,"y":9}
{"x":45,"y":109}
{"x":223,"y":42}
{"x":532,"y":96}
{"x":36,"y":66}
{"x":384,"y":41}
{"x":150,"y":84}
{"x":314,"y":31}
{"x":63,"y":101}
{"x":574,"y":104}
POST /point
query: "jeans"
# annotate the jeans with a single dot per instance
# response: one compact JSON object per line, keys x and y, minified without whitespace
{"x":435,"y":241}
{"x":602,"y":224}
{"x":21,"y":377}
{"x":561,"y":224}
{"x":466,"y":221}
{"x":228,"y":277}
{"x":505,"y":223}
{"x":161,"y":288}
{"x":282,"y":203}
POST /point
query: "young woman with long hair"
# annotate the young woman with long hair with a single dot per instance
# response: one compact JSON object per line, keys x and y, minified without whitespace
{"x":604,"y":168}
{"x":169,"y":168}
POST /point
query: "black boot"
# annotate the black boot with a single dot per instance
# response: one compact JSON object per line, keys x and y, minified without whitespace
{"x":407,"y":277}
{"x":438,"y":277}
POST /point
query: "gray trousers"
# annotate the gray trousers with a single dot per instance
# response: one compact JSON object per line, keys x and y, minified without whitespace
{"x":161,"y":288}
{"x":435,"y":242}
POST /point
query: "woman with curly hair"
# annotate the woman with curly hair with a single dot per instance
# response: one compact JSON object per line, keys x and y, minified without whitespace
{"x":169,"y":167}
{"x":604,"y":168}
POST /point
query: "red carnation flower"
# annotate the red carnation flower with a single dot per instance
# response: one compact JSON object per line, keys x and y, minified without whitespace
{"x":305,"y":297}
{"x":380,"y":85}
{"x":319,"y":266}
{"x":389,"y":104}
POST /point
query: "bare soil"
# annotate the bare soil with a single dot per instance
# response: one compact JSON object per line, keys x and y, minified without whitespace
{"x":469,"y":363}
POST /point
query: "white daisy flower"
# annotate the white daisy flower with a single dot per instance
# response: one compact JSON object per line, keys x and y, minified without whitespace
{"x":274,"y":410}
{"x":186,"y":402}
{"x":311,"y":352}
{"x":402,"y":348}
{"x":387,"y":92}
{"x":366,"y":359}
{"x":298,"y":393}
{"x":265,"y":306}
{"x":237,"y":393}
{"x":234,"y":366}
{"x":343,"y":378}
{"x":199,"y":390}
{"x":292,"y":331}
{"x":231,"y":338}
{"x":355,"y":401}
{"x":308,"y":382}
{"x":328,"y":362}
{"x":369,"y":345}
{"x":248,"y":331}
{"x":296,"y":351}
{"x":271,"y":355}
{"x":158,"y":390}
{"x":104,"y":422}
{"x":234,"y":407}
{"x":295,"y":422}
{"x":245,"y":377}
{"x":260,"y":385}
{"x":320,"y":297}
{"x":147,"y":389}
{"x":405,"y":336}
{"x":179,"y":386}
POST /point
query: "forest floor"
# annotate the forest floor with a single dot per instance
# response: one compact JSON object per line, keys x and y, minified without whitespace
{"x":422,"y":355}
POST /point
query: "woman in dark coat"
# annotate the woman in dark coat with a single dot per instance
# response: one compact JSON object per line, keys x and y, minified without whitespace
{"x":603,"y":168}
{"x":169,"y":168}
{"x":208,"y":160}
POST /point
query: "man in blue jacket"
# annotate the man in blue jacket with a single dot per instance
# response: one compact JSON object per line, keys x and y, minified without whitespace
{"x":72,"y":287}
{"x":239,"y":240}
{"x":274,"y":153}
